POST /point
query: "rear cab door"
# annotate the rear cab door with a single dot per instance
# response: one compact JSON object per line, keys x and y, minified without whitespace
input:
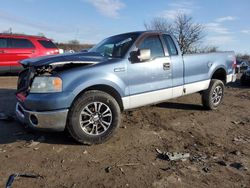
{"x":150,"y":81}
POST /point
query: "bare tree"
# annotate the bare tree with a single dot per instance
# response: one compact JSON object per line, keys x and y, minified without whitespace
{"x":188,"y":34}
{"x":74,"y":42}
{"x":205,"y":49}
{"x":159,"y":24}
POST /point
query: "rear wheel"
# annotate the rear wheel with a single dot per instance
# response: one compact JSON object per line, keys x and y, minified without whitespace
{"x":212,"y":97}
{"x":243,"y":80}
{"x":93,"y":118}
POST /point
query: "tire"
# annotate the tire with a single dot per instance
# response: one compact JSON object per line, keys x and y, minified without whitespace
{"x":243,"y":80}
{"x":93,"y":117}
{"x":213,"y":96}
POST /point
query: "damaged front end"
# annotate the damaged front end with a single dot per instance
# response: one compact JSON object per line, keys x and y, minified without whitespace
{"x":42,"y":102}
{"x":24,"y":82}
{"x":27,"y":76}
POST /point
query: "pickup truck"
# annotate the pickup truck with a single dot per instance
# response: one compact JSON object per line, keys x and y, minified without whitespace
{"x":86,"y":92}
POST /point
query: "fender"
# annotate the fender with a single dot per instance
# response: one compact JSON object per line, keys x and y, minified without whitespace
{"x":216,"y":67}
{"x":106,"y":79}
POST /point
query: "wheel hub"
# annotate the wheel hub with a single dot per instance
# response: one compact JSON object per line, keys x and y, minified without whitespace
{"x":95,"y":118}
{"x":217,"y":95}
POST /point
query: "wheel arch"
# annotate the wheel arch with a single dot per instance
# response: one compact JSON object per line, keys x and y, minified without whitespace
{"x":220,"y":74}
{"x":104,"y":88}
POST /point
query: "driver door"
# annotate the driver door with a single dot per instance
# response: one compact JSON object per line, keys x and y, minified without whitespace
{"x":150,"y":81}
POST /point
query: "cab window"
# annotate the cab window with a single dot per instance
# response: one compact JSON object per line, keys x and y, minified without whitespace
{"x":170,"y":45}
{"x":154,"y":44}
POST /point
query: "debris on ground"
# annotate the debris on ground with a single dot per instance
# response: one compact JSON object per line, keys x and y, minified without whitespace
{"x":241,"y":139}
{"x":236,"y":152}
{"x":238,"y":166}
{"x":13,"y":176}
{"x":124,"y":127}
{"x":127,"y":164}
{"x":199,"y":158}
{"x":175,"y":156}
{"x":165,"y":169}
{"x":109,"y":168}
{"x":2,"y":150}
{"x":222,"y":163}
{"x":206,"y":169}
{"x":238,"y":122}
{"x":33,"y":143}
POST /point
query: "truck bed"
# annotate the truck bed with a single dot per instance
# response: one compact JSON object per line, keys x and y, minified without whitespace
{"x":200,"y":67}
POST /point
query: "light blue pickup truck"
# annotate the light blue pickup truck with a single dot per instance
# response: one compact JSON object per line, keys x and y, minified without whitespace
{"x":85,"y":93}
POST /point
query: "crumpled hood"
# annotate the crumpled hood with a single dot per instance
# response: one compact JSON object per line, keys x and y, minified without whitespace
{"x":80,"y":58}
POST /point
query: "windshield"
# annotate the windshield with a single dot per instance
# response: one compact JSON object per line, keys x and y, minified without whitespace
{"x":116,"y":46}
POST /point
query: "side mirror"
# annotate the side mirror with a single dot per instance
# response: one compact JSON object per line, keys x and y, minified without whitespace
{"x":140,"y":55}
{"x":144,"y":54}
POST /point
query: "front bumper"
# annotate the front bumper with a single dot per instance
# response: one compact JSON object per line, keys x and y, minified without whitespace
{"x":49,"y":120}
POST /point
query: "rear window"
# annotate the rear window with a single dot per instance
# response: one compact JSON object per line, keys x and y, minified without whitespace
{"x":3,"y":43}
{"x":47,"y":44}
{"x":21,"y":43}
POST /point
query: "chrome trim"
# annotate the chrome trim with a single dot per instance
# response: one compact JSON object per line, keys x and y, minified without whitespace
{"x":50,"y":120}
{"x":75,"y":62}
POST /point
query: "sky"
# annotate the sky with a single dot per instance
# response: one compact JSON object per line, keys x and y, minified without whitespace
{"x":226,"y":22}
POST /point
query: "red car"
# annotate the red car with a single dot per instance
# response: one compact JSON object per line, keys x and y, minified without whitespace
{"x":14,"y":48}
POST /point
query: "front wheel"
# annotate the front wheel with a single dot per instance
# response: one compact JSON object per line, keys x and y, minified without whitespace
{"x":212,"y":97}
{"x":93,"y":117}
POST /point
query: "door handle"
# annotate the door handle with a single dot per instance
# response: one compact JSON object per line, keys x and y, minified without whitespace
{"x":166,"y":66}
{"x":2,"y":51}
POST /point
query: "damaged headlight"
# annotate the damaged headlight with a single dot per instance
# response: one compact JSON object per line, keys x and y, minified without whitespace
{"x":46,"y":85}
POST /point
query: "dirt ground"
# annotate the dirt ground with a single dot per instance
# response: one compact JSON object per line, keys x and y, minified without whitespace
{"x":218,"y":142}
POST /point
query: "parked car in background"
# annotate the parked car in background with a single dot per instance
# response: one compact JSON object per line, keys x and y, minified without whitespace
{"x":245,"y":78}
{"x":14,"y":48}
{"x":242,"y":66}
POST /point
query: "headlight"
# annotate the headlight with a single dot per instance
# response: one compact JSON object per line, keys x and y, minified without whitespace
{"x":46,"y":85}
{"x":248,"y":73}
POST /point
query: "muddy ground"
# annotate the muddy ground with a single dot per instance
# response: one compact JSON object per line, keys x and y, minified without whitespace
{"x":215,"y":140}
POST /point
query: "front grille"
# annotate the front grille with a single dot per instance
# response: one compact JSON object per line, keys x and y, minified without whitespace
{"x":23,"y":80}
